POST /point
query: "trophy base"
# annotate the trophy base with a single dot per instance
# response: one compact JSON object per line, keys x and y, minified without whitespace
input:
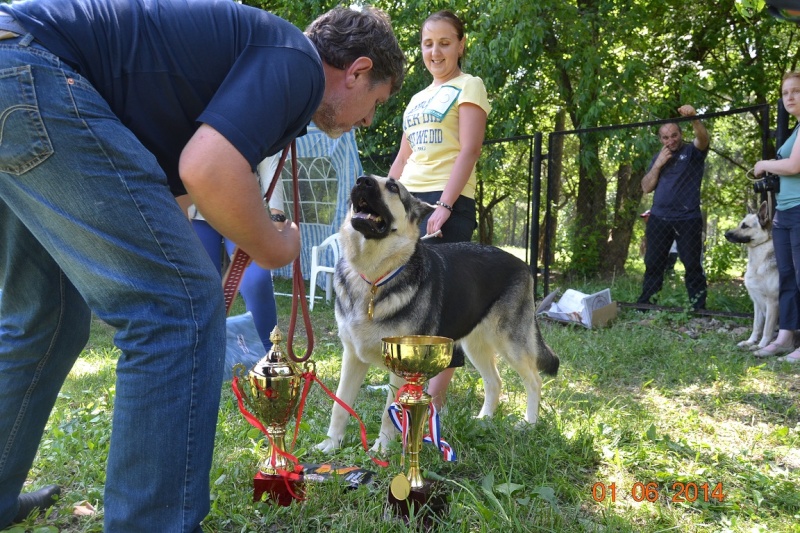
{"x":274,"y":487}
{"x":423,"y":504}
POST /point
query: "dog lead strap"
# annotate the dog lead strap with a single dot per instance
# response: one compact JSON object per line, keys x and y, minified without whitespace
{"x":240,"y":259}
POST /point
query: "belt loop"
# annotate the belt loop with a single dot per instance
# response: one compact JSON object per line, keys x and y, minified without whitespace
{"x":26,"y":40}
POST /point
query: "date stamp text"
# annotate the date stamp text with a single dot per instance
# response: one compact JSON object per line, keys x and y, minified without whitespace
{"x":651,"y":492}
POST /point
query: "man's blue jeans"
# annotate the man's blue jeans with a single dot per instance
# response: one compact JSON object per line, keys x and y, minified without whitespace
{"x":256,"y":288}
{"x":87,"y":224}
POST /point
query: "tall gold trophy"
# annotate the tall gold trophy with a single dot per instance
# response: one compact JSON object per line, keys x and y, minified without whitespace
{"x":416,"y":358}
{"x":271,"y":390}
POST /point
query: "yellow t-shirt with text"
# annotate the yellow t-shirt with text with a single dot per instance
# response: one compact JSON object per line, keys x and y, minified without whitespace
{"x":430,"y":124}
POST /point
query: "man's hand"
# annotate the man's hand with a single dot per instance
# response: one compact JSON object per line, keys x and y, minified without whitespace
{"x":663,"y":156}
{"x":701,"y":139}
{"x":223,"y":188}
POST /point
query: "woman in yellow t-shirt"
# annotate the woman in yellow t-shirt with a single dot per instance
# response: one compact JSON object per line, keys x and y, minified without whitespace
{"x":443,"y":131}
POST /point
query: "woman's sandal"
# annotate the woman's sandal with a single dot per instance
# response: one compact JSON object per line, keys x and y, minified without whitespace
{"x":771,"y":350}
{"x":793,"y":357}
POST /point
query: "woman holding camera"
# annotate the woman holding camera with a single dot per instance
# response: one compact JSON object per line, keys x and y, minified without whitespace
{"x":786,"y":229}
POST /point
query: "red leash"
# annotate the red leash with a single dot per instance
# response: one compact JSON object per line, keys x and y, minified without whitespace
{"x":240,"y":259}
{"x":231,"y":283}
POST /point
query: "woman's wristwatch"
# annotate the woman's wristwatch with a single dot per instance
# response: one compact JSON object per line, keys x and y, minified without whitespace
{"x":278,"y":217}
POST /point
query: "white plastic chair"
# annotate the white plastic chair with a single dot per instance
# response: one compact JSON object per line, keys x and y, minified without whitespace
{"x":317,"y":268}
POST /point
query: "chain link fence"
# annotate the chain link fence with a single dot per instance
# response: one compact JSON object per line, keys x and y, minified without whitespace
{"x":597,"y":220}
{"x":571,"y":204}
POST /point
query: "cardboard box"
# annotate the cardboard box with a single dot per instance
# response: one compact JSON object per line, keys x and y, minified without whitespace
{"x":589,"y":310}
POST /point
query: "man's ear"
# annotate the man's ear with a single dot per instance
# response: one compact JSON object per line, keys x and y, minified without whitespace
{"x":360,"y":67}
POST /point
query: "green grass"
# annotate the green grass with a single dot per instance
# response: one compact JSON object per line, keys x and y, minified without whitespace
{"x":651,"y":404}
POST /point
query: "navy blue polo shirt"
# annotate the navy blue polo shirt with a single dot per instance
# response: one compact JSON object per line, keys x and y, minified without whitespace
{"x":165,"y":66}
{"x":677,"y":194}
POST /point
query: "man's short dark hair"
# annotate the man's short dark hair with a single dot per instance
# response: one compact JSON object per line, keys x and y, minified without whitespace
{"x":664,"y":125}
{"x":342,"y":35}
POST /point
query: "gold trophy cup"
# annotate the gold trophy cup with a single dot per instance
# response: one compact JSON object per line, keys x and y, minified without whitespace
{"x":415,"y":358}
{"x":271,"y":390}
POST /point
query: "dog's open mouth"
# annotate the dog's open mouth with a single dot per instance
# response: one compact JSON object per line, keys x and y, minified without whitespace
{"x":368,"y":220}
{"x":370,"y":215}
{"x":363,"y":211}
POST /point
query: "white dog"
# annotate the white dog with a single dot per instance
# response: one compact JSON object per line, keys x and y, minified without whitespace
{"x":761,"y":277}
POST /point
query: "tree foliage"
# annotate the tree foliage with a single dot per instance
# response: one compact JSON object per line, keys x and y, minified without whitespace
{"x":601,"y":62}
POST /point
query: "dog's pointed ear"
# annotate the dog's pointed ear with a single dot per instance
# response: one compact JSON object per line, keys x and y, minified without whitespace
{"x":419,"y":209}
{"x":763,"y":215}
{"x":751,"y":207}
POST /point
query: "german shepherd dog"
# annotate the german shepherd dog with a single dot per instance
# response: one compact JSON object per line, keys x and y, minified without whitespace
{"x":480,"y":296}
{"x":761,"y":276}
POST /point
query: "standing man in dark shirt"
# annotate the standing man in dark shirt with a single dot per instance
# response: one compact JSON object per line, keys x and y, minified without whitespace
{"x":676,"y":174}
{"x":110,"y":109}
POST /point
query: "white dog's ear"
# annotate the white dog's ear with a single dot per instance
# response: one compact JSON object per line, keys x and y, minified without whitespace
{"x":763,"y":215}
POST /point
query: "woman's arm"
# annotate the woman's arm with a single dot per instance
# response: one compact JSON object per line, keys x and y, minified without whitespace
{"x":471,"y":132}
{"x":782,"y":167}
{"x":402,"y":158}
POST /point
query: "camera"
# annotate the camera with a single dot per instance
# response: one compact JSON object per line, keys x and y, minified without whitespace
{"x":769,"y":183}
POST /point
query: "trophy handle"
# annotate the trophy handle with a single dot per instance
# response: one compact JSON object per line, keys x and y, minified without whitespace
{"x":240,"y":371}
{"x":240,"y":378}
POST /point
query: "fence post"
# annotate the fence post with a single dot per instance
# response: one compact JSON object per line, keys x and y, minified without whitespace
{"x":537,"y":192}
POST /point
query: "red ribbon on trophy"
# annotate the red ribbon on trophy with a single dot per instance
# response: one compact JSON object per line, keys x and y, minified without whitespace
{"x":231,"y":282}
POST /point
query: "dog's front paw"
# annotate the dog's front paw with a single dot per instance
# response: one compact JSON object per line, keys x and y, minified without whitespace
{"x":750,"y":345}
{"x":381,"y":445}
{"x":329,"y":445}
{"x":485,"y":413}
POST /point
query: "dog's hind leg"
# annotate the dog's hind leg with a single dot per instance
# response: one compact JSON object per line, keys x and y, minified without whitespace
{"x":522,"y":355}
{"x":352,"y":376}
{"x":482,"y":357}
{"x":532,"y":381}
{"x":388,"y":431}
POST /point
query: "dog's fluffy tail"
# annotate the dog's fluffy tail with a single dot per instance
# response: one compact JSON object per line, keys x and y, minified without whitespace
{"x":546,"y":359}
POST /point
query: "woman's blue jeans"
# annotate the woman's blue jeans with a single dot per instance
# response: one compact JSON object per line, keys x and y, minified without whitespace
{"x":786,"y":240}
{"x":257,"y":289}
{"x":87,"y":224}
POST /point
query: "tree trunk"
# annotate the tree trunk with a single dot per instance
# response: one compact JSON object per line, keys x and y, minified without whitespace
{"x":627,"y":200}
{"x":590,"y":236}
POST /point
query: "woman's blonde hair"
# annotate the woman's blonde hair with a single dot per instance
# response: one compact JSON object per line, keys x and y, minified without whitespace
{"x":791,"y":74}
